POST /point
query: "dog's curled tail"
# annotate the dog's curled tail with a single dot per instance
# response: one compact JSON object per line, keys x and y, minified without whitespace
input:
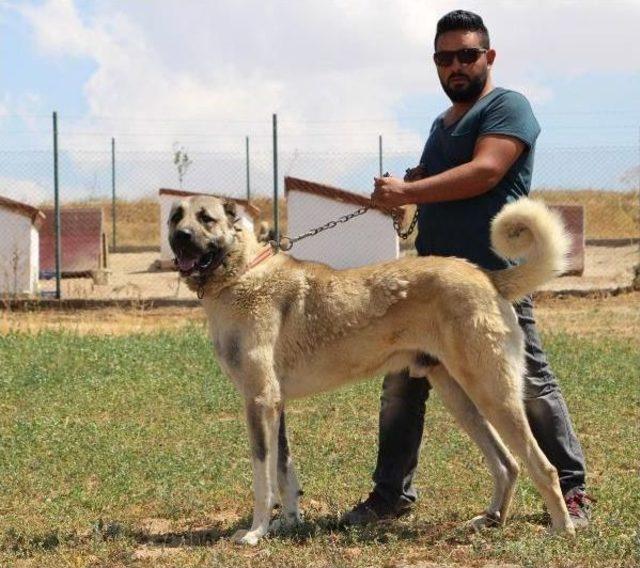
{"x":527,"y":229}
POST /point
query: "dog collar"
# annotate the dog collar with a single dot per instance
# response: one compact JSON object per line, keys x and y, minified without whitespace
{"x":260,"y":257}
{"x":263,"y":255}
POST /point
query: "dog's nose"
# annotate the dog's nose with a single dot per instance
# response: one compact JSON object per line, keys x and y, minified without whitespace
{"x":182,"y":236}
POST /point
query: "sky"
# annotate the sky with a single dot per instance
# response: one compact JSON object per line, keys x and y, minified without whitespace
{"x":338,"y":73}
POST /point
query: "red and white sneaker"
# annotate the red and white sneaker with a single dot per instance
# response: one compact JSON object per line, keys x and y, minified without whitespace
{"x":579,"y":506}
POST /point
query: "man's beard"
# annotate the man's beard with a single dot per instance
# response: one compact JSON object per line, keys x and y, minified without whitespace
{"x":470,"y":92}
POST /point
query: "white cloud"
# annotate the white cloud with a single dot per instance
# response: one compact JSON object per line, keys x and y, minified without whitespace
{"x":312,"y":61}
{"x":562,"y":38}
{"x":57,"y":26}
{"x":25,"y":107}
{"x":23,"y":190}
{"x":234,"y":62}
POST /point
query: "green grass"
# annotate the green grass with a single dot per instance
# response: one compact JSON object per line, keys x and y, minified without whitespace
{"x":116,"y":445}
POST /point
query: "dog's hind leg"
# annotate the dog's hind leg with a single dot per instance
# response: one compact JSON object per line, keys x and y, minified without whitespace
{"x":500,"y":401}
{"x":288,"y":486}
{"x":262,"y":419}
{"x":502,"y":465}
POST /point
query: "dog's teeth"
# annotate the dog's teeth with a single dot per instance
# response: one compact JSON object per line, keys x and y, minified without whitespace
{"x":186,"y":264}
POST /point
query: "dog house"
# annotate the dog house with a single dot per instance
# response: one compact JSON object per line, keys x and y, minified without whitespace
{"x":573,"y":218}
{"x":366,"y":239}
{"x":247,"y":212}
{"x":19,"y":247}
{"x":83,"y":243}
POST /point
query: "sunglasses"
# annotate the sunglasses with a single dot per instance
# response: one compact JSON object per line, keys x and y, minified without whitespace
{"x":465,"y":56}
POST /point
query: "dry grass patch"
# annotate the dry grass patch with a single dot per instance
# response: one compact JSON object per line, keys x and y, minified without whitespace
{"x":610,"y":316}
{"x":600,"y":317}
{"x":608,"y":214}
{"x":102,"y":321}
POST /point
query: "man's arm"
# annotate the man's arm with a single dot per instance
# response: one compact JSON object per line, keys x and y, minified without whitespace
{"x":492,"y":157}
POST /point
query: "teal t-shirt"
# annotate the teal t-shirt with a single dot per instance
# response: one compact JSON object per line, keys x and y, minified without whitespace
{"x":461,"y":228}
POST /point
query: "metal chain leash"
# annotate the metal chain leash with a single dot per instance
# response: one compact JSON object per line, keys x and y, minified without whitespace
{"x":285,"y":243}
{"x":397,"y":220}
{"x":397,"y":224}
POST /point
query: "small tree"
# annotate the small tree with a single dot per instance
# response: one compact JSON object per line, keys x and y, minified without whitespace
{"x":181,"y":161}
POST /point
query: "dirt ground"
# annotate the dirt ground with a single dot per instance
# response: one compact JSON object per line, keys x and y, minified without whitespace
{"x":134,"y":276}
{"x":605,"y":268}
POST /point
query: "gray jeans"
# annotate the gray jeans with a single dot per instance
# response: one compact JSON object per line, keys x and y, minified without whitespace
{"x":402,"y":421}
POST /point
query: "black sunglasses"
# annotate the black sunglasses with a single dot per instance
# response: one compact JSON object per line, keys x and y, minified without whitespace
{"x":465,"y":56}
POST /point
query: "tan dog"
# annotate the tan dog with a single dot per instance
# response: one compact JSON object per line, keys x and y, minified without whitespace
{"x":282,"y":329}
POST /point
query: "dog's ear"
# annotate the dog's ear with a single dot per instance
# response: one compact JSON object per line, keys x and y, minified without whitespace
{"x":231,"y":210}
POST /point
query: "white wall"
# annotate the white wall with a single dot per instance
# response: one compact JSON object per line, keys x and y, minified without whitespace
{"x":367,"y":239}
{"x":34,"y":271}
{"x":19,"y":254}
{"x":166,"y":202}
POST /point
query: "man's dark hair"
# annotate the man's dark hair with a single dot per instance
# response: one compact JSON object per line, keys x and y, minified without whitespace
{"x":462,"y":20}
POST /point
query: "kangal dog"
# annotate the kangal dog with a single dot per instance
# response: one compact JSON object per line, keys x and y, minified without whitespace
{"x":284,"y":328}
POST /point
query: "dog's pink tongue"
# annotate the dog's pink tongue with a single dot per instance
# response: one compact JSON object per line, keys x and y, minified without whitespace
{"x":186,"y":264}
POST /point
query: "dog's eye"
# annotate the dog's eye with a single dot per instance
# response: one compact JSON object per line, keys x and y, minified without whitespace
{"x":177,"y":215}
{"x":206,"y":218}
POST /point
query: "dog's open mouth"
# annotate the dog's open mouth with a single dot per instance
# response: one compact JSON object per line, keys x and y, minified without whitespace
{"x":187,"y":265}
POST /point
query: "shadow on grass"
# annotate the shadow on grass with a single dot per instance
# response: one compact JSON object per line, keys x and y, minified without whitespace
{"x":410,"y":528}
{"x":307,"y":531}
{"x":202,"y":536}
{"x":22,"y":545}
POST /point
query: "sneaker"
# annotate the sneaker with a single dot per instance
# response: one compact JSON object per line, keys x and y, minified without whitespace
{"x":375,"y":509}
{"x":579,"y":506}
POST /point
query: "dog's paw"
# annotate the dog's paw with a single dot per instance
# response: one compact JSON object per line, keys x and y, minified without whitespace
{"x":284,"y":523}
{"x":484,"y":521}
{"x":243,"y":536}
{"x":563,"y":530}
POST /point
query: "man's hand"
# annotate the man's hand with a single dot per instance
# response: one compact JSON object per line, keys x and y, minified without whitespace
{"x":389,"y":192}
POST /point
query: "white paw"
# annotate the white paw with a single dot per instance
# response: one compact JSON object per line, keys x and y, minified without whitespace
{"x":243,"y":536}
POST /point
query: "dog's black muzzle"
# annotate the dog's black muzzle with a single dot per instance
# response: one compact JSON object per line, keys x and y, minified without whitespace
{"x":190,"y":258}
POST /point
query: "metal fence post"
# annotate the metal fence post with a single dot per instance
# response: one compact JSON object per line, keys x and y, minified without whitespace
{"x":113,"y":193}
{"x":380,"y":153}
{"x":56,"y":208}
{"x":276,"y":226}
{"x":246,"y":140}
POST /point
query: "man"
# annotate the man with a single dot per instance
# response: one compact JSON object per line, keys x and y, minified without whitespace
{"x":479,"y":156}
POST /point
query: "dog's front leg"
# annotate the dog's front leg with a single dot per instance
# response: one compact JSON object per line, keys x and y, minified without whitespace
{"x":262,"y":421}
{"x":288,"y":486}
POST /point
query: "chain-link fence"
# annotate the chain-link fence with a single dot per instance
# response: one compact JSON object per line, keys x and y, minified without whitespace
{"x":110,"y":213}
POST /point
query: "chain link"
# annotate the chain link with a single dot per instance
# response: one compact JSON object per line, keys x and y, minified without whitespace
{"x":397,"y":224}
